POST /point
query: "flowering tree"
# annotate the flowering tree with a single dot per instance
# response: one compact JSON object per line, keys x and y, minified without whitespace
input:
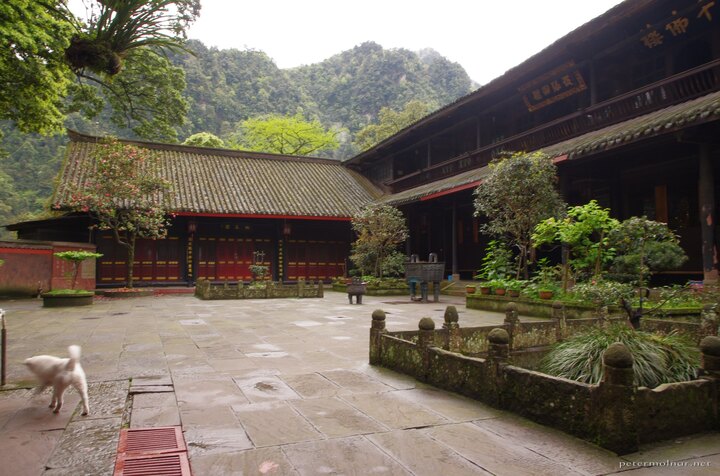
{"x":124,"y":194}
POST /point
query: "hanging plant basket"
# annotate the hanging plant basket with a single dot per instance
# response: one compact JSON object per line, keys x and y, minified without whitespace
{"x":95,"y":55}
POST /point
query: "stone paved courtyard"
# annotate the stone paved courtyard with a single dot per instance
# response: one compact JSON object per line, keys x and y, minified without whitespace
{"x":277,"y":387}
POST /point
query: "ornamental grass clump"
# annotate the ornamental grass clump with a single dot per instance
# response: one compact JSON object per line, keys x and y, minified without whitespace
{"x":657,"y":358}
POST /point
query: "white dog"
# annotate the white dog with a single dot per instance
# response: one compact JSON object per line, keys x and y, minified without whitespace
{"x":61,"y":373}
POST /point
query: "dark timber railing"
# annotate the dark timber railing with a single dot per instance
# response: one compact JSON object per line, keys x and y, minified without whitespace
{"x":675,"y":89}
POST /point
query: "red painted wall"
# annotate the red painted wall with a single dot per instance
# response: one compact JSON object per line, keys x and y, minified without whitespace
{"x":30,"y":267}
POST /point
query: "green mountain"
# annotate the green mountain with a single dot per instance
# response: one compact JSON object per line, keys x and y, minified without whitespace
{"x":225,"y":87}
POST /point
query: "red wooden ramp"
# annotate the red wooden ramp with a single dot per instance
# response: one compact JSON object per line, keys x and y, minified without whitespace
{"x":152,"y":452}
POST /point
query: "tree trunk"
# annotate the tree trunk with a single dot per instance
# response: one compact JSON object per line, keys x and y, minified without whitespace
{"x":131,"y":258}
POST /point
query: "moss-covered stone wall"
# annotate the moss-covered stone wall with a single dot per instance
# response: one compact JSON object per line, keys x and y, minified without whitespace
{"x":614,"y":414}
{"x":204,"y":289}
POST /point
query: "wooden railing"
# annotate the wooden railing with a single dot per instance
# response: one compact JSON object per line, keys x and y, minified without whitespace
{"x":672,"y":90}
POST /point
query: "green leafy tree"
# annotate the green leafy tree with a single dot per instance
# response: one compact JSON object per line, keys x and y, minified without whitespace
{"x":205,"y":139}
{"x":389,"y":123}
{"x":124,"y":194}
{"x":114,"y":54}
{"x":643,"y":247}
{"x":380,"y":229}
{"x":34,"y":77}
{"x":291,"y":135}
{"x":76,"y":258}
{"x":585,"y":231}
{"x":518,"y":193}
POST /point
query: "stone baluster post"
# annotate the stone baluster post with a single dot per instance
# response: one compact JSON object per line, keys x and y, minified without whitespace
{"x":511,"y":320}
{"x":558,"y":314}
{"x":321,"y":289}
{"x":454,"y":337}
{"x":377,"y":329}
{"x":614,"y":402}
{"x":426,"y":339}
{"x":708,"y":321}
{"x":710,"y":363}
{"x":498,"y":356}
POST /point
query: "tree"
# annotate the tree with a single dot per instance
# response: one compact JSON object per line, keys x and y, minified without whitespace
{"x":76,"y":258}
{"x":518,"y":194}
{"x":34,"y":77}
{"x":380,"y":229}
{"x":585,"y":231}
{"x":291,"y":135}
{"x":47,"y":44}
{"x":124,"y":194}
{"x":205,"y":139}
{"x":643,"y":247}
{"x":389,"y":123}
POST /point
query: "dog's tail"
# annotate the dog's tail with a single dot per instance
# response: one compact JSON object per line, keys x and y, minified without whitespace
{"x":74,"y":351}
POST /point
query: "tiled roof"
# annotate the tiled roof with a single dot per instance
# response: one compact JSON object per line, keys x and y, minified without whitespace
{"x":446,"y":184}
{"x":696,"y":111}
{"x":221,"y":181}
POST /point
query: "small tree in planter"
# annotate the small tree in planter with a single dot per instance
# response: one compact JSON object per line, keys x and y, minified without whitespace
{"x":518,"y":194}
{"x":380,"y":229}
{"x":76,"y":258}
{"x":124,"y":194}
{"x":643,"y":247}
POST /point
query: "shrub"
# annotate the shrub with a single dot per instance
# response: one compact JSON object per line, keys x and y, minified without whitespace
{"x":658,"y":358}
{"x":603,"y":293}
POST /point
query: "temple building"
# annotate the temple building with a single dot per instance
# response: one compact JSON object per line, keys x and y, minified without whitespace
{"x":627,"y":106}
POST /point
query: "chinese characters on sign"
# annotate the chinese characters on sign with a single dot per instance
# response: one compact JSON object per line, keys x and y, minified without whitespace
{"x":553,"y":86}
{"x":677,"y":26}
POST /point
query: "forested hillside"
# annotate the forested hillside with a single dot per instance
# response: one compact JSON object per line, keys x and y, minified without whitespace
{"x":225,"y":87}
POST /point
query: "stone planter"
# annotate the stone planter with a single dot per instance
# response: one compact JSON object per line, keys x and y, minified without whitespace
{"x":67,"y":300}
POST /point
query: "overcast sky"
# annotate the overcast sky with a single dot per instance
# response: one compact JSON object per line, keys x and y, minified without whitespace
{"x":486,"y":37}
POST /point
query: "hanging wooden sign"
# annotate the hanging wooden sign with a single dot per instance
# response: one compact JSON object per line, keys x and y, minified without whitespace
{"x":553,"y":86}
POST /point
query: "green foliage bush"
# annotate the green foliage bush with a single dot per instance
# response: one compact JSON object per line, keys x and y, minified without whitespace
{"x":602,"y":292}
{"x":657,"y":358}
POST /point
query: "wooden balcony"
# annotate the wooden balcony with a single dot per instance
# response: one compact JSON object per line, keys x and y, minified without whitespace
{"x":672,"y":90}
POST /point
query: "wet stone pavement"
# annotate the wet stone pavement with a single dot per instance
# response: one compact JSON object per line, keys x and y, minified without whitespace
{"x":276,"y":387}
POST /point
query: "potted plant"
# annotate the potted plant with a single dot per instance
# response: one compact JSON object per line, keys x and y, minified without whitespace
{"x":496,"y":267}
{"x":499,"y":286}
{"x":71,"y":297}
{"x":545,"y":279}
{"x":514,"y":286}
{"x":470,"y":289}
{"x":546,"y":292}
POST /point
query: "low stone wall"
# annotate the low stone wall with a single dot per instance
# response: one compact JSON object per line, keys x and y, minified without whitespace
{"x":529,"y":307}
{"x":204,"y":289}
{"x":614,"y":414}
{"x":375,"y":291}
{"x":542,"y":308}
